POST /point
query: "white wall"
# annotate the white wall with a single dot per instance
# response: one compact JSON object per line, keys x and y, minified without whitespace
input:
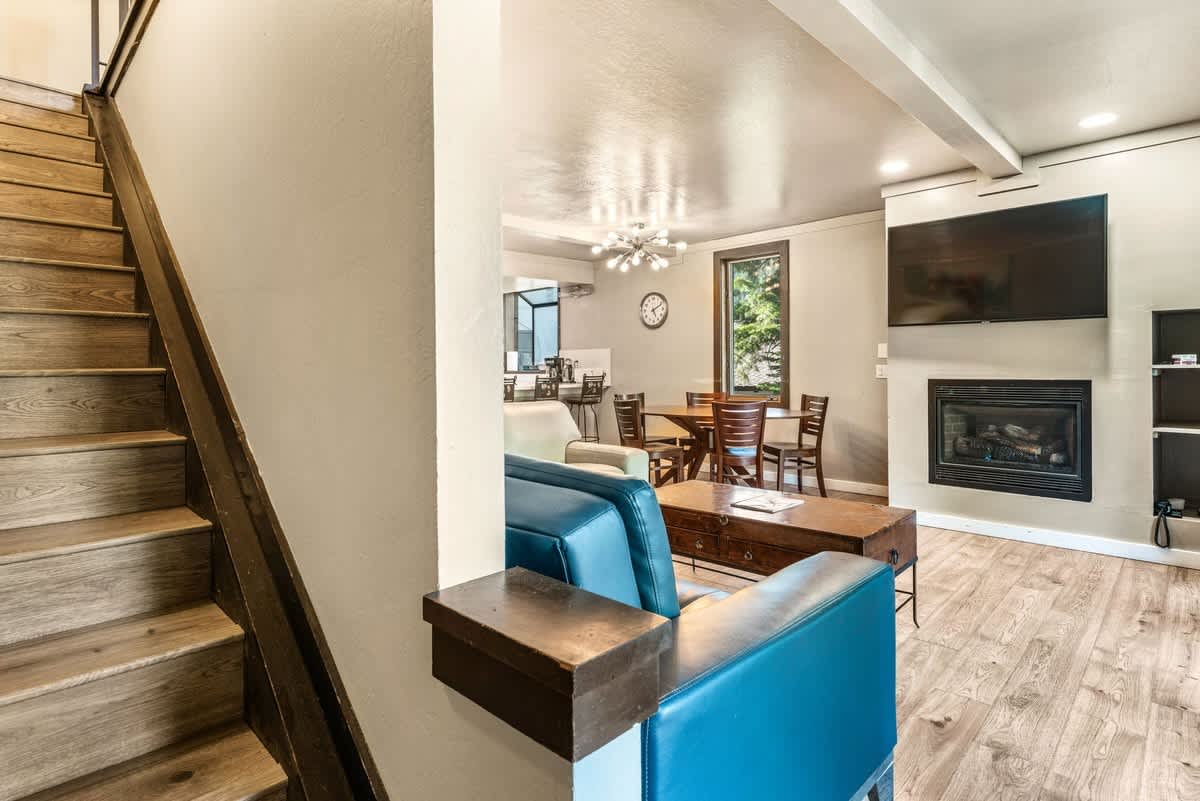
{"x":291,"y":149}
{"x":1154,"y":254}
{"x":50,"y":41}
{"x":837,"y":320}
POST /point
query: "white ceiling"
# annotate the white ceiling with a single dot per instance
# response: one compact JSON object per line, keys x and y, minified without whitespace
{"x":1034,"y":69}
{"x":715,"y":117}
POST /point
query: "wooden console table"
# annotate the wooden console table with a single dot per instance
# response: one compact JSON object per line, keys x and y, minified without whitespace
{"x":703,"y":523}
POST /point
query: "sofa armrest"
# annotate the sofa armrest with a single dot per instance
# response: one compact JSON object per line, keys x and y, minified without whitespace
{"x":792,"y":680}
{"x":631,"y":461}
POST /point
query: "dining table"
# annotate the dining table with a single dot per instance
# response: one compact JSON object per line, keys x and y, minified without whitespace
{"x":698,"y":422}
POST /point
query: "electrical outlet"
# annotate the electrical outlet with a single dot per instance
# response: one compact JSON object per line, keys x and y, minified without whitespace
{"x":881,"y":371}
{"x":881,"y":352}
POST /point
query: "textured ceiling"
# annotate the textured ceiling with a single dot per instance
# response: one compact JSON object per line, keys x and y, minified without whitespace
{"x":715,"y":117}
{"x":1035,"y":69}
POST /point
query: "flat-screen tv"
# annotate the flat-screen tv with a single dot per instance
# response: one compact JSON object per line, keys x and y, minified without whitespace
{"x":1043,"y":262}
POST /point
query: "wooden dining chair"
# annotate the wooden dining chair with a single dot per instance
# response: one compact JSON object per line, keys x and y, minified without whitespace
{"x":545,"y":388}
{"x":590,"y":396}
{"x":783,"y":453}
{"x":738,"y":441}
{"x":510,"y":388}
{"x":666,"y":460}
{"x":707,"y":399}
{"x":668,"y":439}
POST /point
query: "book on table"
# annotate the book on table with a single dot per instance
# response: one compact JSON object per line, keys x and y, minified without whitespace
{"x":771,"y":504}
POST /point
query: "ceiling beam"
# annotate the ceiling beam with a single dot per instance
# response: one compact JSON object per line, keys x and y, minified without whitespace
{"x":858,"y":33}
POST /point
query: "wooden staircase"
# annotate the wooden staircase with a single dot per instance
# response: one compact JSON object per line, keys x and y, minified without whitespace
{"x":120,"y":676}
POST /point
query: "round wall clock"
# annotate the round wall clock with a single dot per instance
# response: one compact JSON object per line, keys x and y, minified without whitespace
{"x":653,"y":310}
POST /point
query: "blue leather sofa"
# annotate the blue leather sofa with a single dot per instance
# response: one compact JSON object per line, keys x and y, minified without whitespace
{"x":783,"y":690}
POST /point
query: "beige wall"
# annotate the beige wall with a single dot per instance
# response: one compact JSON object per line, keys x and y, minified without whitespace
{"x":294,"y":166}
{"x":837,"y":310}
{"x":1153,"y":256}
{"x":50,"y":41}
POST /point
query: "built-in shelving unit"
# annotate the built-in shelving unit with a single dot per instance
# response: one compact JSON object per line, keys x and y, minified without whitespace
{"x":1177,"y":409}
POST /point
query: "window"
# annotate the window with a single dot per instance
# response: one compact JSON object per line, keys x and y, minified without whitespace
{"x":530,"y":327}
{"x":751,"y":325}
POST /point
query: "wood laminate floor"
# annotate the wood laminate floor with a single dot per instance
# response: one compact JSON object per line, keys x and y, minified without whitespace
{"x":1042,"y":674}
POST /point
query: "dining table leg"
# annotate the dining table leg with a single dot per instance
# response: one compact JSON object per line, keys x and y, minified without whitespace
{"x":699,"y":447}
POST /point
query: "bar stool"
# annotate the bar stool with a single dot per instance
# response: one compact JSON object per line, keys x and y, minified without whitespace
{"x":510,"y":388}
{"x":545,"y":388}
{"x":590,"y":396}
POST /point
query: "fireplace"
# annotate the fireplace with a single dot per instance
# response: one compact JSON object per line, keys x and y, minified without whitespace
{"x":1027,"y":437}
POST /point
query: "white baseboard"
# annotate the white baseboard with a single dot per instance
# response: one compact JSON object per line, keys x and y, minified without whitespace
{"x":1142,"y":552}
{"x":839,"y":484}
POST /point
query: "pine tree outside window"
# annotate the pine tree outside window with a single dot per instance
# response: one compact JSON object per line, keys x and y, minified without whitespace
{"x":751,"y":344}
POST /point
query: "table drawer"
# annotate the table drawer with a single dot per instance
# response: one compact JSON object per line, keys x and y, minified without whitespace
{"x":758,"y":558}
{"x":692,"y":543}
{"x":694,"y":521}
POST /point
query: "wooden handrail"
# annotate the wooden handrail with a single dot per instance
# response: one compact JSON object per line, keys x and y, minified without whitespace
{"x":134,"y":17}
{"x":323,"y":739}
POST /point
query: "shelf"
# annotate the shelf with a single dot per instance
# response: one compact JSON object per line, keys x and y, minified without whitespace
{"x":1175,"y":367}
{"x":1178,"y":428}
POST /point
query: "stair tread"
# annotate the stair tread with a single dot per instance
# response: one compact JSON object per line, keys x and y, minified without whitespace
{"x":39,"y":129}
{"x":57,"y":539}
{"x":40,"y":107}
{"x":87,"y":265}
{"x":63,"y":372}
{"x":29,"y":218}
{"x":37,"y":446}
{"x":73,"y":312}
{"x":55,"y":663}
{"x":77,"y":190}
{"x":229,"y":765}
{"x":23,"y":152}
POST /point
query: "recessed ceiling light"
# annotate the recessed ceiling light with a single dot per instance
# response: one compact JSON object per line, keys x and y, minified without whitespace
{"x":1098,"y":120}
{"x":893,"y":167}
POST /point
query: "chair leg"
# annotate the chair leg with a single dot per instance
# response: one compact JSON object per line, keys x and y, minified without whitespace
{"x":780,"y":467}
{"x":821,"y":477}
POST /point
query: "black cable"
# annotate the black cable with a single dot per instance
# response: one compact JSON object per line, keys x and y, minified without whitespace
{"x":1165,"y":540}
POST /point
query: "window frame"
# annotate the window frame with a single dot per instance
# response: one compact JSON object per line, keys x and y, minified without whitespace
{"x":519,"y":297}
{"x":722,"y":312}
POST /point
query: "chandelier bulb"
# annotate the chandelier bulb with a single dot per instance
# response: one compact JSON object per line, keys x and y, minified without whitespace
{"x":637,"y":258}
{"x":625,"y":267}
{"x":680,"y":247}
{"x":613,"y":262}
{"x":597,"y":250}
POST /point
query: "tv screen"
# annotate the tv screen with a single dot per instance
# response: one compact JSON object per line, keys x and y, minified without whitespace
{"x":1043,"y":262}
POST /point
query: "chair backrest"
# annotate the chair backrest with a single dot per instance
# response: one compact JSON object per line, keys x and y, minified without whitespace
{"x":545,"y":388}
{"x":704,"y":398}
{"x":539,"y":429}
{"x":738,"y":433}
{"x":635,"y":501}
{"x":629,"y":422}
{"x":593,"y":389}
{"x":510,"y":389}
{"x":814,"y":426}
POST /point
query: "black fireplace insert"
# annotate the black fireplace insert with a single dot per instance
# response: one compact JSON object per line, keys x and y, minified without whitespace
{"x":1026,"y":437}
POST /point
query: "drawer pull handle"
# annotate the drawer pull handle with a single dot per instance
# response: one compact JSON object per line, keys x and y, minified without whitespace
{"x":894,"y":556}
{"x":749,"y":556}
{"x":699,"y":545}
{"x":723,"y":520}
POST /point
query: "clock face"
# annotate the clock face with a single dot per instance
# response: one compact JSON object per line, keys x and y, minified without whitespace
{"x":654,"y":310}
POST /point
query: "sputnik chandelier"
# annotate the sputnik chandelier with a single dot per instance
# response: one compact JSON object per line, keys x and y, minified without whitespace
{"x":638,"y":246}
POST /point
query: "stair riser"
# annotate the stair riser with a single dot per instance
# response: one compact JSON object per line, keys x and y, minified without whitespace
{"x":40,"y":286}
{"x":54,"y":738}
{"x":66,"y":592}
{"x":47,"y":98}
{"x":22,"y":114}
{"x":57,"y":487}
{"x":26,"y":167}
{"x":51,"y":341}
{"x":38,"y":240}
{"x":50,"y":406}
{"x":46,"y":143}
{"x":36,"y":201}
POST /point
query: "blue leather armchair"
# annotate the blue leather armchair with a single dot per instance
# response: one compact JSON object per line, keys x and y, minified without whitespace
{"x":783,"y":690}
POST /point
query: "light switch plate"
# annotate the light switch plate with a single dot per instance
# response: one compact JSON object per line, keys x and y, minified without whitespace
{"x":882,"y":351}
{"x":881,"y":371}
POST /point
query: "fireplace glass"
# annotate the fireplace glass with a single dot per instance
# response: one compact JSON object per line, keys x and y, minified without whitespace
{"x":1029,"y":437}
